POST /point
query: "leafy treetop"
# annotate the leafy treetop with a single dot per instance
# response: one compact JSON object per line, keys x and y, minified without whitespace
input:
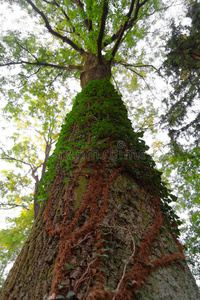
{"x":83,"y":34}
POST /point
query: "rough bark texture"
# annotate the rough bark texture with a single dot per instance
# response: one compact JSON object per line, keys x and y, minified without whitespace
{"x":103,"y":234}
{"x":95,"y":70}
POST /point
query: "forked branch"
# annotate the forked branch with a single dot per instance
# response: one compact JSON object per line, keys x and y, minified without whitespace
{"x":128,"y":24}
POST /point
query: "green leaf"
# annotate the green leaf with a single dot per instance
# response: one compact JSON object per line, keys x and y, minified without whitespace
{"x":70,"y":294}
{"x":60,"y":297}
{"x":60,"y":286}
{"x":68,"y":266}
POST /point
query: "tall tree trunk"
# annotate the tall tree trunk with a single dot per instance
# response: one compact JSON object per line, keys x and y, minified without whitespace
{"x":95,"y":69}
{"x":104,"y":230}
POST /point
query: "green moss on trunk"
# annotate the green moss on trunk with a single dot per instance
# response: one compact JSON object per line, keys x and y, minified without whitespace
{"x":105,"y":229}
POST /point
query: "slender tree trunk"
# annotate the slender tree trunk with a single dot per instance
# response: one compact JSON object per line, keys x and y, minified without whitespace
{"x":36,"y":203}
{"x":104,"y":230}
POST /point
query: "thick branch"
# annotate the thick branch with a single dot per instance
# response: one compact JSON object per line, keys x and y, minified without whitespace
{"x":123,"y":28}
{"x":102,"y":29}
{"x":138,"y":6}
{"x":36,"y":203}
{"x":53,"y":32}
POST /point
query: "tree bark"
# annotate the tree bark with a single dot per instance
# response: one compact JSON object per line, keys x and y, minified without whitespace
{"x":95,"y":69}
{"x":103,"y":233}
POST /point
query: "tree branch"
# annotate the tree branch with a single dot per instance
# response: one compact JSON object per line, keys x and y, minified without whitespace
{"x":33,"y":168}
{"x":53,"y":32}
{"x":12,"y":205}
{"x":27,"y":50}
{"x":123,"y":28}
{"x":78,"y":3}
{"x":138,"y":6}
{"x":102,"y":29}
{"x":129,"y":25}
{"x":87,"y":22}
{"x":63,"y":11}
{"x":8,"y":157}
{"x":129,"y":68}
{"x":116,"y":35}
{"x":38,"y":63}
{"x":139,"y":66}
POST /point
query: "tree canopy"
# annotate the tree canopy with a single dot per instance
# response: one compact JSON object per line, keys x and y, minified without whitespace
{"x":73,"y":33}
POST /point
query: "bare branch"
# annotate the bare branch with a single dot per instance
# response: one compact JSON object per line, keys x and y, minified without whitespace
{"x":51,"y":3}
{"x":123,"y":27}
{"x":27,"y":50}
{"x":53,"y":32}
{"x":139,"y":66}
{"x":24,"y":81}
{"x":55,"y":78}
{"x":138,"y":6}
{"x":33,"y":171}
{"x":143,"y":3}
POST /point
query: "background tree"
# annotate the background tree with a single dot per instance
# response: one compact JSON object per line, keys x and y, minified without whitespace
{"x":181,"y":119}
{"x":36,"y":125}
{"x":183,"y":64}
{"x":91,"y":218}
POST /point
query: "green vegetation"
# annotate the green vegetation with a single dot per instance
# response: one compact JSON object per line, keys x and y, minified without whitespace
{"x":182,"y":120}
{"x":100,"y":113}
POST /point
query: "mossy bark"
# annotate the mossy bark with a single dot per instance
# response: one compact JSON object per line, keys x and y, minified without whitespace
{"x":104,"y":233}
